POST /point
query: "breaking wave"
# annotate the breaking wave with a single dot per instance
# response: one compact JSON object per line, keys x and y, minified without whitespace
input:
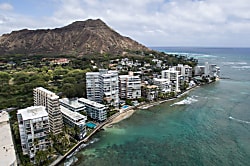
{"x":195,"y":55}
{"x":241,"y":67}
{"x":71,"y":159}
{"x":187,"y":101}
{"x":234,"y":63}
{"x":238,"y":120}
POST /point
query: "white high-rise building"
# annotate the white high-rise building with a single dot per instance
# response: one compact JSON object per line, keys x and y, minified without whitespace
{"x":103,"y":86}
{"x":93,"y":86}
{"x":164,"y":85}
{"x":130,"y":87}
{"x":208,"y":70}
{"x":50,"y":101}
{"x":34,"y":129}
{"x":110,"y":88}
{"x":185,"y":71}
{"x":173,"y":76}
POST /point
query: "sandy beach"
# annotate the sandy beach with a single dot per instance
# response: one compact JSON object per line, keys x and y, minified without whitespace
{"x":122,"y":116}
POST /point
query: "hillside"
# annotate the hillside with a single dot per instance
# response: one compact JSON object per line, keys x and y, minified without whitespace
{"x":79,"y":38}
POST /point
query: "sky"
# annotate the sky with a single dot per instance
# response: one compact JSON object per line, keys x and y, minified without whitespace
{"x":202,"y":23}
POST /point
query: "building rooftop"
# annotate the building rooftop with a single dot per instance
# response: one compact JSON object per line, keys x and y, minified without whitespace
{"x":93,"y":103}
{"x":92,"y":73}
{"x":52,"y":95}
{"x":7,"y":151}
{"x":33,"y":112}
{"x":77,"y":117}
{"x":72,"y":103}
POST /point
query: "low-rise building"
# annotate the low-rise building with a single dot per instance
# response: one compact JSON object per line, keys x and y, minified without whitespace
{"x":94,"y":110}
{"x":34,"y":129}
{"x":74,"y":120}
{"x":72,"y":104}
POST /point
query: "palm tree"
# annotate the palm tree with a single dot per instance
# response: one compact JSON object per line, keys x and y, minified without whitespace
{"x":16,"y":130}
{"x":40,"y":157}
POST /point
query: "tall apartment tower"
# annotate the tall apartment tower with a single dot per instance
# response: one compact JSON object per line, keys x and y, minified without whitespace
{"x":93,"y":86}
{"x":130,"y":87}
{"x":103,"y":86}
{"x":34,"y":129}
{"x":50,"y":101}
{"x":173,"y":76}
{"x":110,"y":88}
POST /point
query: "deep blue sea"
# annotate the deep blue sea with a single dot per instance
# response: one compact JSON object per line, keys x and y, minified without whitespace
{"x":213,"y":128}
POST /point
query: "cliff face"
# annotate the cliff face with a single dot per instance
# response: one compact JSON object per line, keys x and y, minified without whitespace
{"x":78,"y":38}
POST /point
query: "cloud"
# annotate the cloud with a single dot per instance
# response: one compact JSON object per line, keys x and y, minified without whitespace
{"x":6,"y":6}
{"x":153,"y":22}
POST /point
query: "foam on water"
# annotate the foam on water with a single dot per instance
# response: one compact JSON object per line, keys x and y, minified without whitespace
{"x":234,"y":63}
{"x":241,"y":67}
{"x":195,"y":55}
{"x":238,"y":120}
{"x":187,"y":101}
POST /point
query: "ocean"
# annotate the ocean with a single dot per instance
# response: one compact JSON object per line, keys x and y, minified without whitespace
{"x":211,"y":128}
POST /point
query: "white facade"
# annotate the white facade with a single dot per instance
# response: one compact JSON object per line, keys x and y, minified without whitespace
{"x":110,"y":88}
{"x":130,"y":87}
{"x":95,"y":110}
{"x":173,"y":76}
{"x":210,"y":70}
{"x":93,"y":86}
{"x":48,"y":99}
{"x":163,"y":84}
{"x":34,"y":129}
{"x":74,"y":120}
{"x":185,"y":71}
{"x":103,"y":86}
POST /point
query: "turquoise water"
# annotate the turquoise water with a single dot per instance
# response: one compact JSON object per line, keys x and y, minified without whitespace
{"x":212,"y":129}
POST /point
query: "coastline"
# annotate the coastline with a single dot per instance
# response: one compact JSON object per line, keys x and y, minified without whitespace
{"x":127,"y":113}
{"x":120,"y":117}
{"x":116,"y":118}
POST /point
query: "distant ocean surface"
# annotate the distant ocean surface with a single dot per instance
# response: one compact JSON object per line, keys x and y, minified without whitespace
{"x":212,"y":128}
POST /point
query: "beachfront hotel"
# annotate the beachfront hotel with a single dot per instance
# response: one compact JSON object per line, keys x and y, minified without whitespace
{"x":34,"y":128}
{"x":94,"y":110}
{"x":48,"y":99}
{"x":74,"y":120}
{"x":103,"y":86}
{"x":130,"y":86}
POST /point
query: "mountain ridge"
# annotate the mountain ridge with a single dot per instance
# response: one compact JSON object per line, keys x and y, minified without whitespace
{"x":78,"y":38}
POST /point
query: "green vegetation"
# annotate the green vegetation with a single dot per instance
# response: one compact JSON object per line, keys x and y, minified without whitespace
{"x":20,"y":74}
